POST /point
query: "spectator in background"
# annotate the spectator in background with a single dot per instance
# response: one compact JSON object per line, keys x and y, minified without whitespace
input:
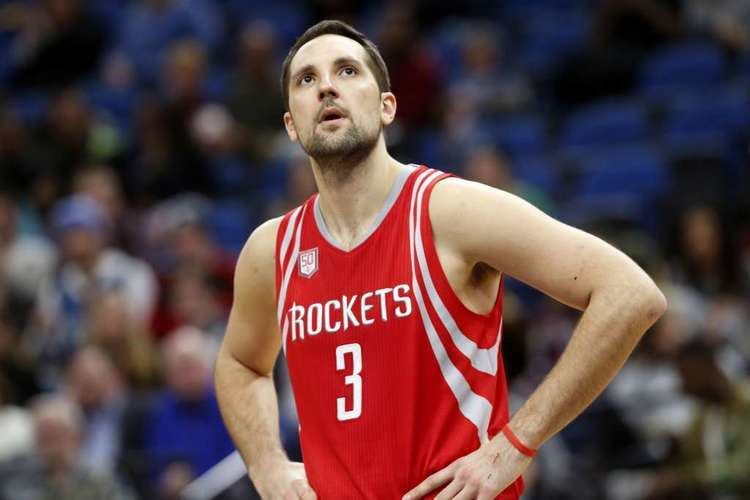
{"x":25,"y":262}
{"x":155,"y":171}
{"x":713,"y":458}
{"x":53,"y":470}
{"x":16,"y":431}
{"x":194,"y":246}
{"x":61,"y":143}
{"x":414,"y":71}
{"x":706,"y":258}
{"x":708,"y":265}
{"x":726,"y":20}
{"x":167,"y":161}
{"x":490,"y":166}
{"x":17,"y":168}
{"x":180,"y":239}
{"x":194,"y":301}
{"x":59,"y":43}
{"x":647,"y":389}
{"x":218,"y":138}
{"x":490,"y":85}
{"x":127,"y":342}
{"x":255,"y":98}
{"x":95,"y":384}
{"x":624,"y":33}
{"x":101,"y":183}
{"x":184,"y":73}
{"x":637,"y":26}
{"x":70,"y":138}
{"x":16,"y":366}
{"x":149,"y":27}
{"x":88,"y":267}
{"x":184,"y":433}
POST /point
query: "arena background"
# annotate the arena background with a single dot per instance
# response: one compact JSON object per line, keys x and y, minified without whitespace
{"x":141,"y":142}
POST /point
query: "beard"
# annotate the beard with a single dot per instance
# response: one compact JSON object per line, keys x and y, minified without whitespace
{"x":340,"y":152}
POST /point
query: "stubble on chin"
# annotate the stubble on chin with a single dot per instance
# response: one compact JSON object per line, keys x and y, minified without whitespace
{"x":340,"y":154}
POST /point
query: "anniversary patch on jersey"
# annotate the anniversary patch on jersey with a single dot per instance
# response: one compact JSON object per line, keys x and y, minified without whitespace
{"x":308,"y":262}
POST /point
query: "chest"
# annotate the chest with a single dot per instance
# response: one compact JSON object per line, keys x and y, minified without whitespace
{"x":332,"y":293}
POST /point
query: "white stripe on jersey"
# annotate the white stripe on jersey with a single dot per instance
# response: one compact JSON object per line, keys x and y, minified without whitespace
{"x":484,"y":360}
{"x":287,"y":276}
{"x":474,"y":407}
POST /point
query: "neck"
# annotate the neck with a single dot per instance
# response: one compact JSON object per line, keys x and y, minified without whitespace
{"x":350,"y":196}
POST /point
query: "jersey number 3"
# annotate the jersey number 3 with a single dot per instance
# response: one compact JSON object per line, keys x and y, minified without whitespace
{"x":353,"y":379}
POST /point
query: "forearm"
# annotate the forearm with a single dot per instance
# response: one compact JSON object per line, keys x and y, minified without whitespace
{"x":249,"y":407}
{"x":608,"y":331}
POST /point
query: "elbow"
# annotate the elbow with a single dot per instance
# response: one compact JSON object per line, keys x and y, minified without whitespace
{"x":654,"y":304}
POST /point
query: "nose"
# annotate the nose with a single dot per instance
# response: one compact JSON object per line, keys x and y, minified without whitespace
{"x":327,"y":89}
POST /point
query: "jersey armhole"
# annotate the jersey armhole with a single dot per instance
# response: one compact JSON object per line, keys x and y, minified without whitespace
{"x":428,"y":236}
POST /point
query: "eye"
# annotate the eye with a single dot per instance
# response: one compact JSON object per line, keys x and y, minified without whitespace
{"x":349,"y":70}
{"x":305,"y":79}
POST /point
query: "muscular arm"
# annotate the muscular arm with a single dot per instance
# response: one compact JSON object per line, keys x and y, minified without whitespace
{"x":476,"y":224}
{"x":618,"y":299}
{"x":243,"y":375}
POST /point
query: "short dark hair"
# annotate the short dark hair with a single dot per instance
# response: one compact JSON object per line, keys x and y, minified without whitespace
{"x":333,"y":27}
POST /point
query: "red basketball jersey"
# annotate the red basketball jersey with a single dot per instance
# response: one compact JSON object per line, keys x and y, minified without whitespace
{"x":393,"y":377}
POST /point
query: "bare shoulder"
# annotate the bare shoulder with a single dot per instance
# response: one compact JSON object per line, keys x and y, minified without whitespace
{"x":263,"y":239}
{"x":251,"y":335}
{"x":256,"y":263}
{"x":462,"y":211}
{"x":453,"y":198}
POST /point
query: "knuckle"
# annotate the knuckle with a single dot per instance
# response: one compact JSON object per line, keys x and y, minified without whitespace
{"x":474,"y":481}
{"x":464,"y":474}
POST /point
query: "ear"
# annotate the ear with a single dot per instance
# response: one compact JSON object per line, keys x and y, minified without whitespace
{"x":291,"y":131}
{"x":387,"y":108}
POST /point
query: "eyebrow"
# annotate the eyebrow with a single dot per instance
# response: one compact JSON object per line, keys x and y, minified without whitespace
{"x":338,"y":62}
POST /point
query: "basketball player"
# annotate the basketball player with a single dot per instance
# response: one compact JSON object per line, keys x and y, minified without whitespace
{"x":385,"y":292}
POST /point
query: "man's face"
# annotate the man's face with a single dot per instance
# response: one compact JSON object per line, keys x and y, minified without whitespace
{"x":57,"y":442}
{"x":336,"y":109}
{"x":80,"y":244}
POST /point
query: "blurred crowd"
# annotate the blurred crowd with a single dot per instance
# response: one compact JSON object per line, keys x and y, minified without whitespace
{"x":141,"y":142}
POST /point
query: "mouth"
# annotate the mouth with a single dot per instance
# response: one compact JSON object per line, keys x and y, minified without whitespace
{"x":331,"y":115}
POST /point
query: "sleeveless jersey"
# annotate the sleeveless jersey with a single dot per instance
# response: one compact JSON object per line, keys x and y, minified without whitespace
{"x":393,"y":377}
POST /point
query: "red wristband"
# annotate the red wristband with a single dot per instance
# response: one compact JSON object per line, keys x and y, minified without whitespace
{"x":517,"y":444}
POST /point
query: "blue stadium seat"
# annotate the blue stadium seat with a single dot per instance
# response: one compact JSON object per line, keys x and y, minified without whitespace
{"x":537,"y":171}
{"x":524,"y":135}
{"x":720,"y":113}
{"x":689,"y":65}
{"x":605,"y":123}
{"x":523,"y":10}
{"x":230,"y":223}
{"x":623,"y":184}
{"x":549,"y":39}
{"x":638,"y":171}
